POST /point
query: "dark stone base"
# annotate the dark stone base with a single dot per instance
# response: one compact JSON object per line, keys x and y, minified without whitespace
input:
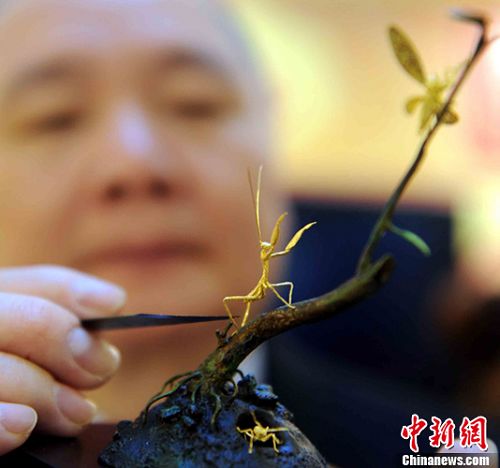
{"x":57,"y":452}
{"x":178,"y":433}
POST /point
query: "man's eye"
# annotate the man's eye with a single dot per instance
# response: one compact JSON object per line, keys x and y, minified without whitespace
{"x":198,"y":110}
{"x":55,"y":123}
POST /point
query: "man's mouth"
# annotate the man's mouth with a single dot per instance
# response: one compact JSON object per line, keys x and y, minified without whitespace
{"x":144,"y":254}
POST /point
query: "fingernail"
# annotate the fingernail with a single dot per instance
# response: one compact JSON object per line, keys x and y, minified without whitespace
{"x":100,"y":295}
{"x":17,"y":419}
{"x":74,"y":407}
{"x":93,"y":354}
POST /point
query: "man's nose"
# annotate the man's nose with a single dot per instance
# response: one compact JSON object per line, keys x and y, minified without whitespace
{"x":132,"y":160}
{"x":133,"y":134}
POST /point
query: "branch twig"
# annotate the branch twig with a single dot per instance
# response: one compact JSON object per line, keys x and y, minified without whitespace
{"x":384,"y":221}
{"x":224,"y":361}
{"x":221,"y":364}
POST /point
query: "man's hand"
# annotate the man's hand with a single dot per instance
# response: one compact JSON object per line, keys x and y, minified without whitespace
{"x":45,"y":356}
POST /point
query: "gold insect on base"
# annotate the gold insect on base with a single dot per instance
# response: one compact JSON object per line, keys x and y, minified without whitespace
{"x":261,"y":434}
{"x":266,"y":254}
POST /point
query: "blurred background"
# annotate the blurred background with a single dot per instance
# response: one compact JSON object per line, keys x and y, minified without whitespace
{"x":342,"y":129}
{"x":427,"y":343}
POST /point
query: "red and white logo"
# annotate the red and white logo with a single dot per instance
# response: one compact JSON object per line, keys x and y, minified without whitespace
{"x":472,"y":432}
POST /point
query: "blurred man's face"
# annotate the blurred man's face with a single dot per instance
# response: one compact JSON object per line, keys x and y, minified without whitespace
{"x":126,"y":130}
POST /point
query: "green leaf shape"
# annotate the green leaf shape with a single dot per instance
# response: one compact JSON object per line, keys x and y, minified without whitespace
{"x":412,"y":103}
{"x":450,"y":117}
{"x":406,"y":54}
{"x":412,"y":238}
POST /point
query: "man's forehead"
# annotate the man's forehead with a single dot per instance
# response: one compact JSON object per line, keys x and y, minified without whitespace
{"x":133,"y":12}
{"x":195,"y":23}
{"x":32,"y":29}
{"x":203,"y":6}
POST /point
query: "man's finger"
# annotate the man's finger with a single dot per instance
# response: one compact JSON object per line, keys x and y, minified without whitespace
{"x":50,"y":336}
{"x":16,"y":423}
{"x":61,"y":409}
{"x":83,"y":294}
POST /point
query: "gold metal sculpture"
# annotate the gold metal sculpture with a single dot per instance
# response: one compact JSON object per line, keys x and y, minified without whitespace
{"x":261,"y":434}
{"x":266,"y":254}
{"x":188,"y":411}
{"x":435,"y":87}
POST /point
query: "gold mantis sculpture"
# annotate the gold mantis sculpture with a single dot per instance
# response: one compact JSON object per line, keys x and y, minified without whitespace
{"x":266,"y":254}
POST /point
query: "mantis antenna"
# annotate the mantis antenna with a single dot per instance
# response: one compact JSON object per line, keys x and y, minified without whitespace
{"x":267,"y":252}
{"x":256,"y":199}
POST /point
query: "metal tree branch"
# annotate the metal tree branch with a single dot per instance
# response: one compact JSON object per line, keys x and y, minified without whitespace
{"x":223,"y":362}
{"x":384,"y":221}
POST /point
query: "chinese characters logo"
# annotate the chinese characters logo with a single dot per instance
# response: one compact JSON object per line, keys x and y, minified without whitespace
{"x":471,"y":432}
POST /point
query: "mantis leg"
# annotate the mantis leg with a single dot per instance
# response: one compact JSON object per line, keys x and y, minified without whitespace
{"x":277,"y":429}
{"x":286,"y":283}
{"x":280,"y":253}
{"x":275,"y":442}
{"x":248,"y":299}
{"x":245,"y":315}
{"x":273,"y":289}
{"x":228,"y":310}
{"x":293,"y":241}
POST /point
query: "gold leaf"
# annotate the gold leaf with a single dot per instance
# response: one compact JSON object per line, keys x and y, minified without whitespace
{"x":406,"y":54}
{"x":412,"y":103}
{"x":450,"y":117}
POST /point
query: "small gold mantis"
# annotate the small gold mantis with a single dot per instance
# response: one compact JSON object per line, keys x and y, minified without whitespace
{"x":266,"y":254}
{"x":433,"y":99}
{"x":261,"y":434}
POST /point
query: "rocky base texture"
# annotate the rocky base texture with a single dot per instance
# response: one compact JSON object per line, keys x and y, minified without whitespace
{"x":179,"y":432}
